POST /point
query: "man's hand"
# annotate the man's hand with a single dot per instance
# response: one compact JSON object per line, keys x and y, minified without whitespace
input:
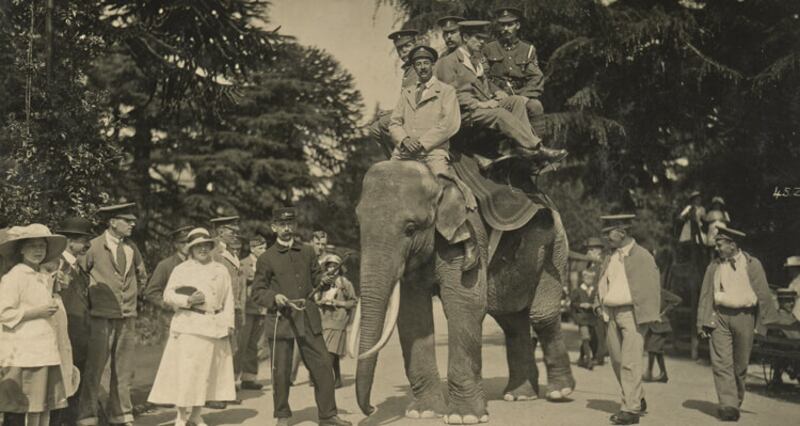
{"x":411,"y":145}
{"x":500,"y":95}
{"x":281,"y":300}
{"x":197,"y":298}
{"x":704,"y":333}
{"x":490,"y":104}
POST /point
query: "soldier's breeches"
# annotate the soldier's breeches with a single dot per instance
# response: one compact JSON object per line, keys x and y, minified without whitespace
{"x":729,"y":349}
{"x":505,"y":122}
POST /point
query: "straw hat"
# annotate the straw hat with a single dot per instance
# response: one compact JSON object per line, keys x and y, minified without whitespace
{"x":330,"y":258}
{"x":198,"y":236}
{"x":792,"y":262}
{"x":55,"y":243}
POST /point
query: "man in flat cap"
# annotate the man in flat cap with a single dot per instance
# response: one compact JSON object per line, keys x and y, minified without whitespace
{"x":628,"y":294}
{"x":734,"y":301}
{"x":226,"y":252}
{"x":154,"y":293}
{"x":116,"y":274}
{"x":72,"y":284}
{"x":404,"y":41}
{"x":287,"y":276}
{"x":513,"y":65}
{"x":479,"y":98}
{"x":451,"y":33}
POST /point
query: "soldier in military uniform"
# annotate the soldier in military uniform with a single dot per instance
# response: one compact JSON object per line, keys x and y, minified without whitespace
{"x":404,"y":41}
{"x":513,"y":66}
{"x":451,"y":34}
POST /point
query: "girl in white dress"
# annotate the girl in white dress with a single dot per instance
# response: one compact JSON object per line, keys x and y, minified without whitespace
{"x":197,"y":365}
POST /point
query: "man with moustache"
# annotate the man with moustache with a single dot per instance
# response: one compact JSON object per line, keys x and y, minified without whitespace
{"x":629,"y":297}
{"x":485,"y":105}
{"x":116,"y":274}
{"x":404,"y":41}
{"x":734,"y":301}
{"x":451,"y":34}
{"x":513,"y":66}
{"x":73,"y":286}
{"x":287,"y":276}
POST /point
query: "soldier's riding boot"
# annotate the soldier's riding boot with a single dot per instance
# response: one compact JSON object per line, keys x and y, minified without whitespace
{"x":543,"y":154}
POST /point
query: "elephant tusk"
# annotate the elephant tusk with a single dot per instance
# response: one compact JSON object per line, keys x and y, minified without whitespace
{"x":388,"y":324}
{"x":355,"y":333}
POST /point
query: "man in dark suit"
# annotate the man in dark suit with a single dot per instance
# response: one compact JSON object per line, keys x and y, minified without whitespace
{"x":116,"y":273}
{"x":72,"y":285}
{"x":629,"y":297}
{"x":287,"y":275}
{"x":154,"y":293}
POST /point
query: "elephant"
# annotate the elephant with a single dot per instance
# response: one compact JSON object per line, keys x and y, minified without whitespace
{"x":403,"y":213}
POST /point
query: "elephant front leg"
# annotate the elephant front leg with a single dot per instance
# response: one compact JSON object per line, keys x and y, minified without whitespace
{"x":560,"y":382}
{"x":415,"y":327}
{"x":523,"y":375}
{"x":464,"y":302}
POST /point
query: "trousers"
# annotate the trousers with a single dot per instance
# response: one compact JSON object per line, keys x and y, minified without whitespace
{"x":510,"y":119}
{"x":316,"y":358}
{"x":379,"y":132}
{"x":729,"y":348}
{"x":110,"y":340}
{"x":248,"y":346}
{"x":625,"y":341}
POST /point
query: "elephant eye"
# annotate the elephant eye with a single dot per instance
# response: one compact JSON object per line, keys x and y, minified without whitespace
{"x":410,"y":229}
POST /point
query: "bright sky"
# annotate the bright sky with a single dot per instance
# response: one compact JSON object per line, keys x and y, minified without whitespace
{"x":354,"y":32}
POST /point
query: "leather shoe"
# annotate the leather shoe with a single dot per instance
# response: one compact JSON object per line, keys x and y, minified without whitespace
{"x":334,"y":421}
{"x":216,"y":405}
{"x":729,"y":414}
{"x":282,"y":421}
{"x":544,"y":154}
{"x":251,"y":385}
{"x":643,"y":406}
{"x":624,"y":418}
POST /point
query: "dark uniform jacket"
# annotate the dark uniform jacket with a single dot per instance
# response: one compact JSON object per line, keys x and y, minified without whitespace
{"x":154,"y":293}
{"x":669,"y":300}
{"x":294,"y":273}
{"x":112,"y":293}
{"x":583,"y":294}
{"x":515,"y":69}
{"x":766,"y":308}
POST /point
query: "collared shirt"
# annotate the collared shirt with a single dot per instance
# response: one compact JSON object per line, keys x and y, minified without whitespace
{"x":112,"y":243}
{"x":732,"y":287}
{"x":619,"y":291}
{"x":478,"y":70}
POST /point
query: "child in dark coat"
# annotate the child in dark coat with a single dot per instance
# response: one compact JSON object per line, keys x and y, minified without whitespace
{"x":582,"y":300}
{"x":656,"y":337}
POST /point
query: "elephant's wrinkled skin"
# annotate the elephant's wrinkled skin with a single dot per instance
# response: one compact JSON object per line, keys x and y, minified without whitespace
{"x":401,"y":206}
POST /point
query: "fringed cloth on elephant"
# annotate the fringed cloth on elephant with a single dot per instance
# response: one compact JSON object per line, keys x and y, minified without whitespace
{"x":502,"y":206}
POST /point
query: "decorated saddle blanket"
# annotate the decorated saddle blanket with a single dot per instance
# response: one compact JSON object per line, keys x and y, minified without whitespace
{"x":503,"y":207}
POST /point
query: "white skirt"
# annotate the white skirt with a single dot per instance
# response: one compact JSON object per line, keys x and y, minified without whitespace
{"x":194,"y":370}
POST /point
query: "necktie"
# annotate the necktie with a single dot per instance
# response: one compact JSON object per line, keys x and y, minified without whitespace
{"x":121,"y":260}
{"x":420,"y":89}
{"x":732,"y":261}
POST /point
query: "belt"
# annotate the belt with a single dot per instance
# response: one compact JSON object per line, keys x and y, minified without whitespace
{"x":733,"y":311}
{"x":200,"y":311}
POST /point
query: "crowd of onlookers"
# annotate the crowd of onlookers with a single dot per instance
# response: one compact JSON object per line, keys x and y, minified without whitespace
{"x":68,"y":303}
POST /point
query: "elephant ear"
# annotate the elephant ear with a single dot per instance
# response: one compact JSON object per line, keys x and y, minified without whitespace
{"x":451,"y":212}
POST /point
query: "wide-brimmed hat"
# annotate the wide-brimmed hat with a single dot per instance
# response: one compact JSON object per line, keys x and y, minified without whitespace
{"x":792,"y":262}
{"x":75,"y":225}
{"x":718,"y":199}
{"x":55,"y":243}
{"x":330,"y":258}
{"x":125,"y":211}
{"x":726,"y":233}
{"x":616,"y":221}
{"x":198,"y":236}
{"x":694,"y":194}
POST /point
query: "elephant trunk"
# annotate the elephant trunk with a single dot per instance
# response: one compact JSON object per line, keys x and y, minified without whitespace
{"x":376,"y":317}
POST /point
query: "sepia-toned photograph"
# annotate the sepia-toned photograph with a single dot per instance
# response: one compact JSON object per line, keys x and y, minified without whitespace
{"x":399,"y":212}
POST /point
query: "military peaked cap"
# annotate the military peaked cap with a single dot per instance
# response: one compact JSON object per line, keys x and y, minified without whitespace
{"x":121,"y":211}
{"x":617,"y":221}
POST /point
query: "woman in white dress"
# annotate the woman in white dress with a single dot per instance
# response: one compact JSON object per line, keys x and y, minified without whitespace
{"x":197,"y":365}
{"x":36,"y":371}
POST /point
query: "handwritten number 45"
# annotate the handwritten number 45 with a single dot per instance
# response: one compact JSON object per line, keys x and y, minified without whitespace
{"x":786,"y":191}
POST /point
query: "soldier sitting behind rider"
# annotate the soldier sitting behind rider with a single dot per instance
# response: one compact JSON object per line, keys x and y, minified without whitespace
{"x":513,"y":66}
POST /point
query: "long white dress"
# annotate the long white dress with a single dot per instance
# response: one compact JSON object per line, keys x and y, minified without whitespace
{"x":197,"y":365}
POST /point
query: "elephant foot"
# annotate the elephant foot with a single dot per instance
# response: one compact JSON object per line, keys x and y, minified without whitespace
{"x":469,"y":419}
{"x":560,"y":386}
{"x":559,"y":395}
{"x":524,"y":392}
{"x":423,"y":410}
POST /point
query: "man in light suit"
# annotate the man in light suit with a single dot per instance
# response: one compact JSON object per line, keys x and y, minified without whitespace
{"x":629,"y":297}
